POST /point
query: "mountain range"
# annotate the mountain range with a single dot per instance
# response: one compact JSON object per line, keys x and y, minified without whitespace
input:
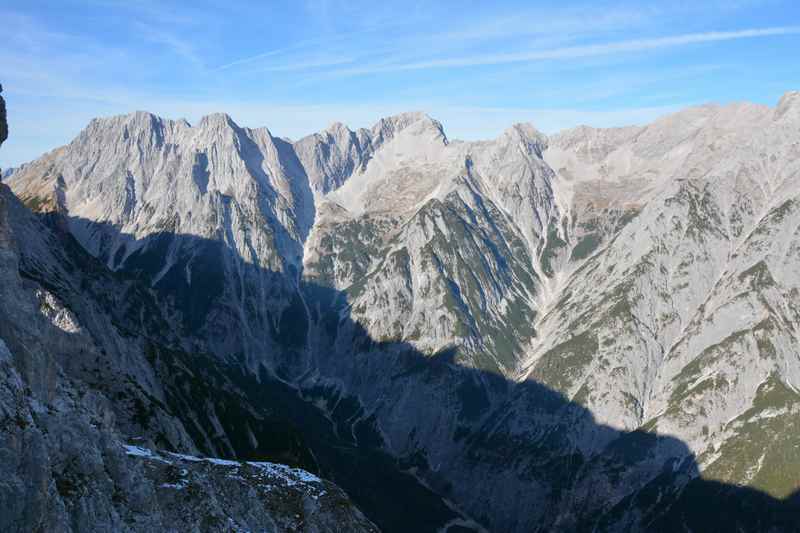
{"x":597,"y":330}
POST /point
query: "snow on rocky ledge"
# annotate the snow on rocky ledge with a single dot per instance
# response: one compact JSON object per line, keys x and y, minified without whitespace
{"x":271,"y":472}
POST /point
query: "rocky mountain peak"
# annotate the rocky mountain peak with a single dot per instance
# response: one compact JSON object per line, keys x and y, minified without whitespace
{"x":402,"y":120}
{"x":217,"y":121}
{"x":338,"y":128}
{"x":526,"y":134}
{"x":789,"y":103}
{"x":415,"y":122}
{"x":139,"y":128}
{"x":137,"y":121}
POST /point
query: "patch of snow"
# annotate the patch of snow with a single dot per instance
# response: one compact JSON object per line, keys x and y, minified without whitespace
{"x":224,"y":462}
{"x":177,"y":486}
{"x":137,"y":451}
{"x":185,"y":457}
{"x":286,"y":473}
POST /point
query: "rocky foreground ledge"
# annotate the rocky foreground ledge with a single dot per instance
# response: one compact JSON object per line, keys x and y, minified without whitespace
{"x":198,"y":493}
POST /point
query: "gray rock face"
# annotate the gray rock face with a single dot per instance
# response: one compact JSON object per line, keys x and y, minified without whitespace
{"x":3,"y":119}
{"x":594,"y":330}
{"x":3,"y":129}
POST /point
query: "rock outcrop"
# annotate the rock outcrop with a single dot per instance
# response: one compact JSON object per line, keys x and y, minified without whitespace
{"x":3,"y":119}
{"x":3,"y":125}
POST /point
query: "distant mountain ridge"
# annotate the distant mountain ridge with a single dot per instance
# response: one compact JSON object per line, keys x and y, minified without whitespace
{"x":612,"y":308}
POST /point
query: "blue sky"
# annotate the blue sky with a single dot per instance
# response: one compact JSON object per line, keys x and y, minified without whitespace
{"x":297,"y":66}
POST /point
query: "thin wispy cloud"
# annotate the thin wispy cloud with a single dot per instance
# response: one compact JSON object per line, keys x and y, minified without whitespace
{"x":582,"y":51}
{"x":569,"y":24}
{"x":172,"y":42}
{"x":309,"y":45}
{"x":257,"y":57}
{"x":308,"y":65}
{"x":451,"y":35}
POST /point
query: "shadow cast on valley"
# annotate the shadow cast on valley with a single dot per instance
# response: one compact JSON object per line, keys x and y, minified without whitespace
{"x":295,"y":379}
